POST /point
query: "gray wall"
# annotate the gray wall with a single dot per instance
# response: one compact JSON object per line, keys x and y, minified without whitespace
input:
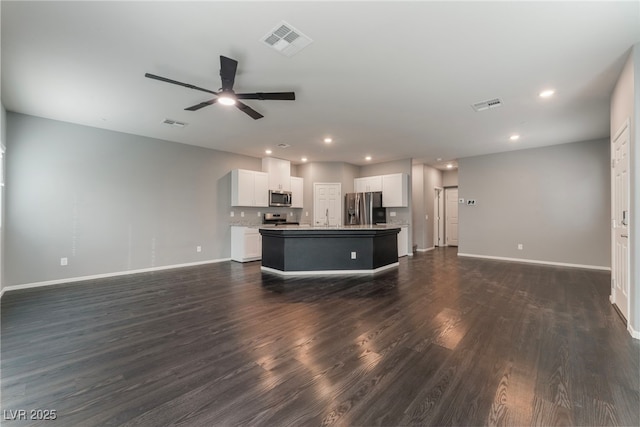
{"x":433,"y":178}
{"x":424,"y":179}
{"x":418,"y":208}
{"x":326,"y":172}
{"x":3,"y":139}
{"x":111,"y":202}
{"x":450,"y":178}
{"x":554,"y":200}
{"x":625,"y":103}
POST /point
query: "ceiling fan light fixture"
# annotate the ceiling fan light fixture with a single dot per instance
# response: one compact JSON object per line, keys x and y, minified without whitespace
{"x":226,"y":99}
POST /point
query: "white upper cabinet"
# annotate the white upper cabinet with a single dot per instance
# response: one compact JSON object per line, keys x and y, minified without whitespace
{"x":395,"y":190}
{"x":249,"y":188}
{"x":368,"y":183}
{"x":297,"y":192}
{"x":279,"y":173}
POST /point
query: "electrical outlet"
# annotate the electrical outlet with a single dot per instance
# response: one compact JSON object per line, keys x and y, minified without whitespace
{"x":392,"y":213}
{"x":233,"y":214}
{"x":461,"y":200}
{"x":290,"y":213}
{"x":242,"y":214}
{"x":471,"y":202}
{"x":259,"y":213}
{"x":64,"y":261}
{"x":198,"y":248}
{"x":306,"y":214}
{"x":426,"y":217}
{"x":520,"y":247}
{"x":353,"y":255}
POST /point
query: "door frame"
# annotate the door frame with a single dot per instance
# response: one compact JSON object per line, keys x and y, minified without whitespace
{"x":341,"y":209}
{"x":612,"y":297}
{"x":446,"y":214}
{"x":438,"y":212}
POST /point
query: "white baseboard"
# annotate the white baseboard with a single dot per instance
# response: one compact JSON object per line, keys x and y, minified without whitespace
{"x":105,"y":275}
{"x":328,"y":272}
{"x":425,"y":250}
{"x":634,"y":334}
{"x":535,"y":261}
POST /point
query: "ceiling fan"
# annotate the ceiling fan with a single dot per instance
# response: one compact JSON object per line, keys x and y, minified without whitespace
{"x":226,"y":95}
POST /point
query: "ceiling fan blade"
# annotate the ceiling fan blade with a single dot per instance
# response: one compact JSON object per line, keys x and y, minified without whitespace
{"x":248,"y":110}
{"x":201,"y":105}
{"x":228,"y":69}
{"x":175,"y":82}
{"x":277,"y":96}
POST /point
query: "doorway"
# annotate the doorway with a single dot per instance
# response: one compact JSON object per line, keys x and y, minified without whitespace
{"x":451,"y":216}
{"x":438,"y":217}
{"x":620,"y":180}
{"x":327,"y":204}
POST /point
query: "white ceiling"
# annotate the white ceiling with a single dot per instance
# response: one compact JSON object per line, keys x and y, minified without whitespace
{"x":393,"y":80}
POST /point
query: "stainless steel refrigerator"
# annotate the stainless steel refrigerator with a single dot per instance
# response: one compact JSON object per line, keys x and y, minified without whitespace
{"x":364,"y":209}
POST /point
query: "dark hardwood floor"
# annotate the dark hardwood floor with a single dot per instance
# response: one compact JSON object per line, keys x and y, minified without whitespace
{"x":440,"y":341}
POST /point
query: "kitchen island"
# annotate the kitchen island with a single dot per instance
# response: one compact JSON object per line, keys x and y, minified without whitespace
{"x":293,"y":250}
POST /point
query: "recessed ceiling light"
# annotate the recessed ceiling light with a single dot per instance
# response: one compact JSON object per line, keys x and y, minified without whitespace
{"x":304,"y":159}
{"x":328,"y":140}
{"x":367,"y":158}
{"x":547,"y":93}
{"x":268,"y":151}
{"x":449,"y":165}
{"x":514,"y":137}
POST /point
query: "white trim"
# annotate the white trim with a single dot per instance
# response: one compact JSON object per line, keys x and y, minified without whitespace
{"x":425,"y":250}
{"x":621,"y":129}
{"x":105,"y":275}
{"x":535,"y":261}
{"x":327,"y":272}
{"x":634,"y":334}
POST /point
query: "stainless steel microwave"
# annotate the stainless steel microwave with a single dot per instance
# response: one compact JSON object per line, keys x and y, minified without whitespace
{"x":279,"y":198}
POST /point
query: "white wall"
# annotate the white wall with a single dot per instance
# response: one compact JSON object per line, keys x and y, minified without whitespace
{"x":625,"y":104}
{"x":553,"y":200}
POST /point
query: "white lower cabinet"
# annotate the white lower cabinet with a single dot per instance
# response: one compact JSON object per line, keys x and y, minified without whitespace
{"x":403,"y":241}
{"x":246,"y":244}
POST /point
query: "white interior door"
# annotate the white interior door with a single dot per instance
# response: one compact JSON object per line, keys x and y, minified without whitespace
{"x":451,"y":214}
{"x":327,"y":204}
{"x":620,"y":221}
{"x":438,"y":218}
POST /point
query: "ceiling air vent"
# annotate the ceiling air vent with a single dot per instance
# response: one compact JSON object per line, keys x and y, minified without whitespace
{"x":286,"y":39}
{"x":283,"y":145}
{"x":174,"y":123}
{"x":485,"y":105}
